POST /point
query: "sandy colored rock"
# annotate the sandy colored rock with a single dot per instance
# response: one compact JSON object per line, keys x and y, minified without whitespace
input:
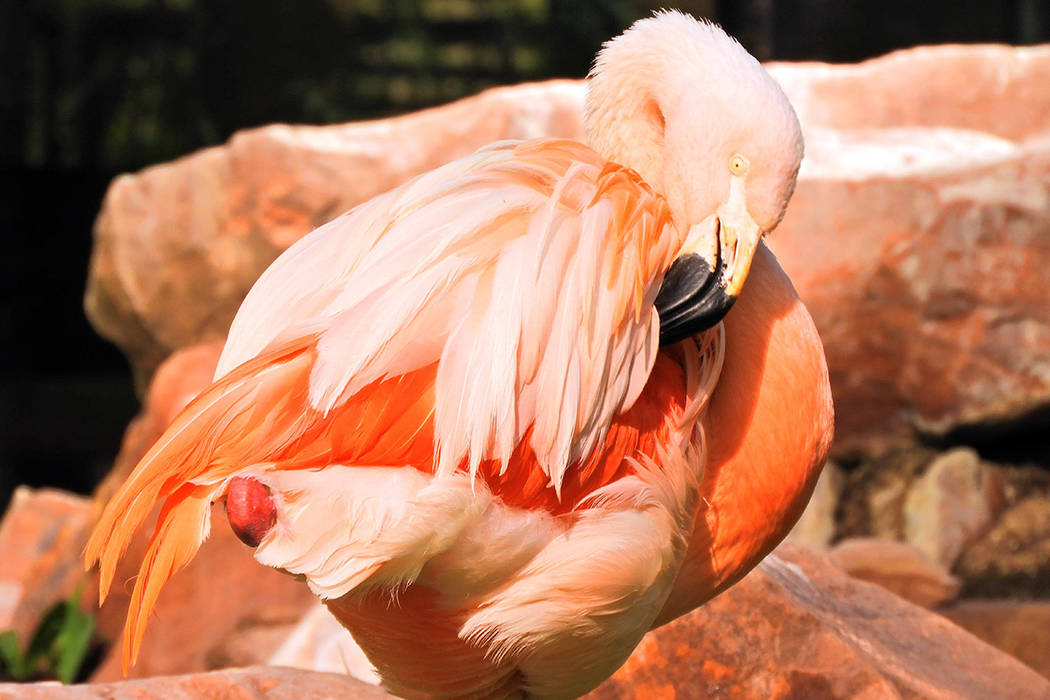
{"x":224,"y":608}
{"x":798,"y":627}
{"x":1013,"y":557}
{"x":919,"y":234}
{"x":41,"y":536}
{"x":1020,"y":628}
{"x":241,"y":683}
{"x":816,"y":527}
{"x":177,"y":246}
{"x":182,"y":376}
{"x":872,"y":499}
{"x":898,"y":567}
{"x":1000,"y":90}
{"x":950,"y":505}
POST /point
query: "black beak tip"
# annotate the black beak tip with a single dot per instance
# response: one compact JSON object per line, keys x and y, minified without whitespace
{"x":692,"y":299}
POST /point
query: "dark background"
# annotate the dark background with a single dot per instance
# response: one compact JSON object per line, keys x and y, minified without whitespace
{"x":93,"y":88}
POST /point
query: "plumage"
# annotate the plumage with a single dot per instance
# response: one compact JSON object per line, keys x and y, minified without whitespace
{"x":453,"y":405}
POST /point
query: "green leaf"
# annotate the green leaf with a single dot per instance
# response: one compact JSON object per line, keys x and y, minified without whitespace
{"x":46,"y":634}
{"x":11,"y":656}
{"x":72,"y":644}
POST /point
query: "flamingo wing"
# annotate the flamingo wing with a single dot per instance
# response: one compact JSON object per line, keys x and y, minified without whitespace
{"x":497,"y":311}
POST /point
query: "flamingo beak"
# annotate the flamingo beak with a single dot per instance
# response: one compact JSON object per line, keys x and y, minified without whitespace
{"x":696,"y":294}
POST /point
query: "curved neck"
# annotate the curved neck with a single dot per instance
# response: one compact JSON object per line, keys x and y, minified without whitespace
{"x":769,"y":429}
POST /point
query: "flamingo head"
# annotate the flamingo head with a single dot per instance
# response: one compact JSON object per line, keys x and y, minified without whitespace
{"x":685,"y":105}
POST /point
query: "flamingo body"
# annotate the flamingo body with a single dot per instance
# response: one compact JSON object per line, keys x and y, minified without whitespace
{"x":457,"y":411}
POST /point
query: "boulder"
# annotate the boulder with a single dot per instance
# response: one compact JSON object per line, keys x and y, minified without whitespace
{"x":1013,"y":557}
{"x":41,"y":536}
{"x":178,"y":245}
{"x":1020,"y":628}
{"x":225,"y":608}
{"x":919,"y":234}
{"x":898,"y":567}
{"x":950,"y":505}
{"x":798,"y":627}
{"x":243,"y":683}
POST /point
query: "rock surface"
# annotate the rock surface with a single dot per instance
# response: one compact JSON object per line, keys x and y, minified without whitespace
{"x":241,"y":683}
{"x":898,"y":567}
{"x":950,"y":505}
{"x":247,"y":609}
{"x":1020,"y":628}
{"x":178,"y":246}
{"x":1013,"y":557}
{"x":798,"y":627}
{"x":919,"y":234}
{"x":41,"y":534}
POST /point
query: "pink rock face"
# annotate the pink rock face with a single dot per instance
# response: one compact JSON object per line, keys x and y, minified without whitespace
{"x":224,"y":608}
{"x":898,"y":567}
{"x":254,"y":682}
{"x":798,"y":627}
{"x":918,"y":234}
{"x":41,"y":535}
{"x":178,"y":246}
{"x":1020,"y":628}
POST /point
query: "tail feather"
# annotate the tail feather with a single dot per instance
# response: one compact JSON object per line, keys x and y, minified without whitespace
{"x":216,"y":435}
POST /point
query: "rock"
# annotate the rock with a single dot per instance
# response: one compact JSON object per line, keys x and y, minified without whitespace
{"x":41,"y":536}
{"x":1020,"y":628}
{"x":1000,"y":90}
{"x":242,"y":683}
{"x":176,"y":382}
{"x":225,"y":608}
{"x":898,"y":567}
{"x":320,"y":643}
{"x":1013,"y":557}
{"x":919,"y":234}
{"x":177,"y":246}
{"x":798,"y":627}
{"x":222,"y":595}
{"x":928,"y":299}
{"x":950,"y":505}
{"x":816,"y":527}
{"x":872,"y":500}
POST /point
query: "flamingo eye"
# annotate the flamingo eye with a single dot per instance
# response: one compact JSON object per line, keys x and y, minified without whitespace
{"x":738,"y":165}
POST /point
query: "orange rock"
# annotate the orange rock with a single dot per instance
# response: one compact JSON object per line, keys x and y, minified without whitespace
{"x":898,"y":567}
{"x":1000,"y":90}
{"x":224,"y":596}
{"x":798,"y":627}
{"x":1020,"y":628}
{"x":41,"y":536}
{"x":177,"y":246}
{"x":917,"y":236}
{"x":243,"y":683}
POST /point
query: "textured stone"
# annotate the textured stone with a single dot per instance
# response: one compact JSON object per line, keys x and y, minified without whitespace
{"x":1000,"y":90}
{"x":798,"y":627}
{"x":816,"y":527}
{"x":918,"y":234}
{"x":922,"y":255}
{"x":950,"y":505}
{"x":898,"y":567}
{"x":41,"y":536}
{"x":177,"y":246}
{"x":1013,"y":557}
{"x":224,"y":608}
{"x":241,"y":683}
{"x":1020,"y":628}
{"x":178,"y":381}
{"x":872,"y":500}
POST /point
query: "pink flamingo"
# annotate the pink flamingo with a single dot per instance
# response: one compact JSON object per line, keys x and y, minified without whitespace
{"x":493,"y":417}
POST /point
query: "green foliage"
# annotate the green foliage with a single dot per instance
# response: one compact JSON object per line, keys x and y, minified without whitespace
{"x":57,"y":649}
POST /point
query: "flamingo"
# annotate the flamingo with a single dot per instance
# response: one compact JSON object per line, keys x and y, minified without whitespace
{"x":499,"y":418}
